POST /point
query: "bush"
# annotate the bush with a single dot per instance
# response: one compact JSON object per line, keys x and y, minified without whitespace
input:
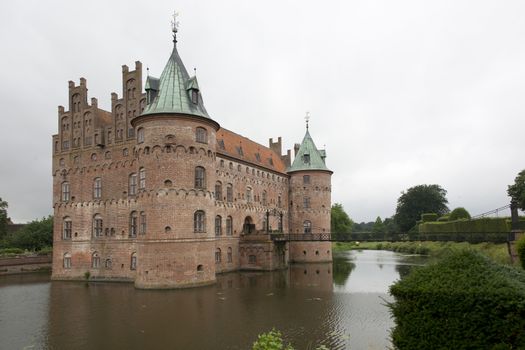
{"x":467,"y":226}
{"x":272,"y":340}
{"x":34,"y":236}
{"x":465,"y":301}
{"x":429,"y":217}
{"x":459,"y":213}
{"x":11,"y":251}
{"x":520,"y":248}
{"x":444,"y":218}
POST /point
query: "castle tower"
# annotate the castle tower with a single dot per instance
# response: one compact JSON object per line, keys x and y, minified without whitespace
{"x":176,"y":143}
{"x":310,"y":201}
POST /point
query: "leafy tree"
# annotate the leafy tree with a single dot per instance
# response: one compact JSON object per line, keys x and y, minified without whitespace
{"x":3,"y":218}
{"x":418,"y":200}
{"x":459,"y":213}
{"x":390,"y":225}
{"x":516,"y":191}
{"x":341,"y":224}
{"x":36,"y":235}
{"x":378,"y":227}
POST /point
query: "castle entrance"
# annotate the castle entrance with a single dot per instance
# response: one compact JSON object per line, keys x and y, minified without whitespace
{"x":249,"y":226}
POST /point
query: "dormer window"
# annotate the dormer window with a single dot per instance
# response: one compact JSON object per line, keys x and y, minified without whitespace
{"x":306,"y":158}
{"x":194,"y":96}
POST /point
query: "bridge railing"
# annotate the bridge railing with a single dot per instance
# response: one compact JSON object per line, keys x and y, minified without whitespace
{"x":472,"y":237}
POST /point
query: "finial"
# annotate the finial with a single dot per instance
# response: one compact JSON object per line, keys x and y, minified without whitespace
{"x":307,"y":118}
{"x":175,"y":26}
{"x":194,"y":71}
{"x":147,"y":70}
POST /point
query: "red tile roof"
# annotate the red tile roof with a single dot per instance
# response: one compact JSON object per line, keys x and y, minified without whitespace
{"x":244,"y":149}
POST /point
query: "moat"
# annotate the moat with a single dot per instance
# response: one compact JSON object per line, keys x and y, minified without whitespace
{"x":340,"y":305}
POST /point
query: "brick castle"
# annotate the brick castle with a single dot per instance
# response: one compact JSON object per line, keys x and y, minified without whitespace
{"x":158,"y":193}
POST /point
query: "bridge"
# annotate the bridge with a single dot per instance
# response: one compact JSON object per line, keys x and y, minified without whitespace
{"x":470,"y":237}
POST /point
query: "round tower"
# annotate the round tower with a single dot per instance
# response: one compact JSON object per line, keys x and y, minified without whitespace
{"x":310,"y":203}
{"x":176,"y":144}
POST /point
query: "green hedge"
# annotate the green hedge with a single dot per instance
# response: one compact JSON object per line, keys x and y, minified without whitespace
{"x":465,"y":301}
{"x":467,"y":226}
{"x":429,"y":217}
{"x":520,"y":249}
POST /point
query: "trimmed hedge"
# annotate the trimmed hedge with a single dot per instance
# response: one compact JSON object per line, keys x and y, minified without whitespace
{"x":466,"y":226}
{"x":465,"y":301}
{"x":429,"y":217}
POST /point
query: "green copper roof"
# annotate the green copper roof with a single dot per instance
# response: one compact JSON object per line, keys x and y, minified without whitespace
{"x":175,"y":88}
{"x":308,"y":157}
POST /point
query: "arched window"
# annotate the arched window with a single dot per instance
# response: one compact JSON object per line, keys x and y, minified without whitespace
{"x":133,"y":264}
{"x":133,"y":224}
{"x":279,"y":201}
{"x":218,"y":257}
{"x":200,"y":177}
{"x":307,"y":225}
{"x":132,"y":184}
{"x":142,"y":178}
{"x":264,"y":198}
{"x":67,"y":261}
{"x":229,"y":226}
{"x":201,"y":135}
{"x":230,"y":255}
{"x":229,"y":193}
{"x":218,"y":191}
{"x":140,"y":135}
{"x":97,"y":225}
{"x":67,"y":226}
{"x":199,"y":221}
{"x":230,"y":166}
{"x":221,"y":163}
{"x":97,"y":188}
{"x":142,"y":223}
{"x":249,"y":194}
{"x":66,"y":194}
{"x":218,"y":225}
{"x":108,"y":264}
{"x":95,"y":260}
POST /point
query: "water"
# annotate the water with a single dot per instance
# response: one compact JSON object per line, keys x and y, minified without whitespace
{"x":340,"y":305}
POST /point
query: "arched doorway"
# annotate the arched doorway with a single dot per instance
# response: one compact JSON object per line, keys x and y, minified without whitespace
{"x":248,"y":226}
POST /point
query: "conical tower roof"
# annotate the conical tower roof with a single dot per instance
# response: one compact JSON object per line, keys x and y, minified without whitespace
{"x":309,"y":157}
{"x":174,"y":90}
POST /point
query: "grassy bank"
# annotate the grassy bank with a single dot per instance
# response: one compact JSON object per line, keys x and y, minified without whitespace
{"x":497,"y":252}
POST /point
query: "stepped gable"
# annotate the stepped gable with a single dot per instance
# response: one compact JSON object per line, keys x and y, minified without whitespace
{"x":242,"y":148}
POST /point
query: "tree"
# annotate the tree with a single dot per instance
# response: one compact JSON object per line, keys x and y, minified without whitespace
{"x":36,"y":235}
{"x":340,"y":223}
{"x":418,"y":200}
{"x":516,"y":191}
{"x":3,"y":218}
{"x":459,"y":213}
{"x":379,"y":227}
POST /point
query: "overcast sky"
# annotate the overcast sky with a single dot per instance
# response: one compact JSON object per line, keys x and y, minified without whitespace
{"x":401,"y":92}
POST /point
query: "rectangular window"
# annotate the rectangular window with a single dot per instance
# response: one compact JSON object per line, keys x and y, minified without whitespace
{"x":306,"y":179}
{"x":230,"y":257}
{"x":133,"y":184}
{"x":229,"y":228}
{"x":67,"y":262}
{"x":252,"y":259}
{"x":97,"y":188}
{"x":142,"y":223}
{"x":229,"y":193}
{"x":133,"y":226}
{"x":65,"y":192}
{"x":67,"y":229}
{"x":306,"y":202}
{"x":65,"y":145}
{"x":98,"y":227}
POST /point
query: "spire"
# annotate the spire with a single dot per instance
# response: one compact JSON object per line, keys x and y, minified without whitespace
{"x":175,"y":92}
{"x":308,"y":157}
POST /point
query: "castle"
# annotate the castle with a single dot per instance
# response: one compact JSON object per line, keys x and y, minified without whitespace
{"x":156,"y":192}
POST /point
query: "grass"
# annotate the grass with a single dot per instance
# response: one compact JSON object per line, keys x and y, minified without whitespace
{"x":497,"y":252}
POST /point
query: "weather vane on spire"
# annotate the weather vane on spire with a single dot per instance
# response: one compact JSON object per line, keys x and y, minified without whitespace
{"x":175,"y":26}
{"x":307,"y":118}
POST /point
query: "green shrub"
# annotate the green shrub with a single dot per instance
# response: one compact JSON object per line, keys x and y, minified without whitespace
{"x":466,"y":226}
{"x":459,"y":213}
{"x":429,"y":217}
{"x":11,"y":251}
{"x":465,"y":301}
{"x":272,"y":340}
{"x":520,"y":248}
{"x":444,"y":218}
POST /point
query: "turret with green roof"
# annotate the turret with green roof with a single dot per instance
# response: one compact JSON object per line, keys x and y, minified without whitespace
{"x":308,"y":157}
{"x":175,"y":91}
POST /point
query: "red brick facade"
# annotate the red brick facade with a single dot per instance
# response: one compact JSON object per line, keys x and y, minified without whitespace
{"x":170,"y":200}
